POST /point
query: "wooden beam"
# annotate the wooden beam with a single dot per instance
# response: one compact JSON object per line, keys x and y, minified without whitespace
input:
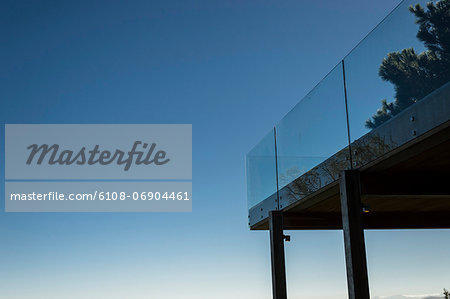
{"x":277,"y":255}
{"x":402,"y":220}
{"x":371,"y":220}
{"x":405,"y":183}
{"x":355,"y":250}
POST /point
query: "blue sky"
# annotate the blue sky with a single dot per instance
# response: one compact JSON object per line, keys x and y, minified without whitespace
{"x":231,"y":68}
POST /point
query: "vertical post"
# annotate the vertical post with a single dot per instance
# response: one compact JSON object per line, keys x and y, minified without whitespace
{"x":355,"y":249}
{"x":276,"y":165}
{"x":346,"y":114}
{"x":277,"y":255}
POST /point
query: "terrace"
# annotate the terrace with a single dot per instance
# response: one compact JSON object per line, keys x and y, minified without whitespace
{"x":367,"y":148}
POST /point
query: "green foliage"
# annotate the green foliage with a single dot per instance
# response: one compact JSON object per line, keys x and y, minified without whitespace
{"x":416,"y":75}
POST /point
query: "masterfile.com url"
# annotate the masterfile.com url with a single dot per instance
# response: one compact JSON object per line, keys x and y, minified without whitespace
{"x":101,"y":195}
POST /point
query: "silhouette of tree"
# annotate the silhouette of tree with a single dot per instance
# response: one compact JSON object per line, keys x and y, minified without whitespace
{"x":416,"y":75}
{"x":446,"y":294}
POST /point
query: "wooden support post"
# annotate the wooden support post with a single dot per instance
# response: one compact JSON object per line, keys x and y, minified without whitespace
{"x":355,"y":250}
{"x":277,"y":255}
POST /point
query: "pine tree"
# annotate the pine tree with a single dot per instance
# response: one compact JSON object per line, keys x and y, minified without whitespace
{"x":416,"y":75}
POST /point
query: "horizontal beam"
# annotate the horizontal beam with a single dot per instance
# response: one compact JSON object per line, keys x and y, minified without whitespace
{"x":403,"y":220}
{"x":411,"y":183}
{"x":371,"y":220}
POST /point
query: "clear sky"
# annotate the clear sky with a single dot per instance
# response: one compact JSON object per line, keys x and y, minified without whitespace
{"x":232,"y":69}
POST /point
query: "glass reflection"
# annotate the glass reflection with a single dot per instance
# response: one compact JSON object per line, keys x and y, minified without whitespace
{"x":312,"y":132}
{"x":415,"y":74}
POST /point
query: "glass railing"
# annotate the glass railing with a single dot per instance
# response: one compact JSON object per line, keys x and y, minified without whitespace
{"x":261,"y":170}
{"x":368,"y":105}
{"x":312,"y":132}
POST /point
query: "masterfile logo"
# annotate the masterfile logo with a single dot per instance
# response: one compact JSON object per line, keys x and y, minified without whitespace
{"x":52,"y":155}
{"x":69,"y":151}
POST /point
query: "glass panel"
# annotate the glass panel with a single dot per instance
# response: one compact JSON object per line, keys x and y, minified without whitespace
{"x":395,"y":67}
{"x":261,"y":172}
{"x":312,"y":140}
